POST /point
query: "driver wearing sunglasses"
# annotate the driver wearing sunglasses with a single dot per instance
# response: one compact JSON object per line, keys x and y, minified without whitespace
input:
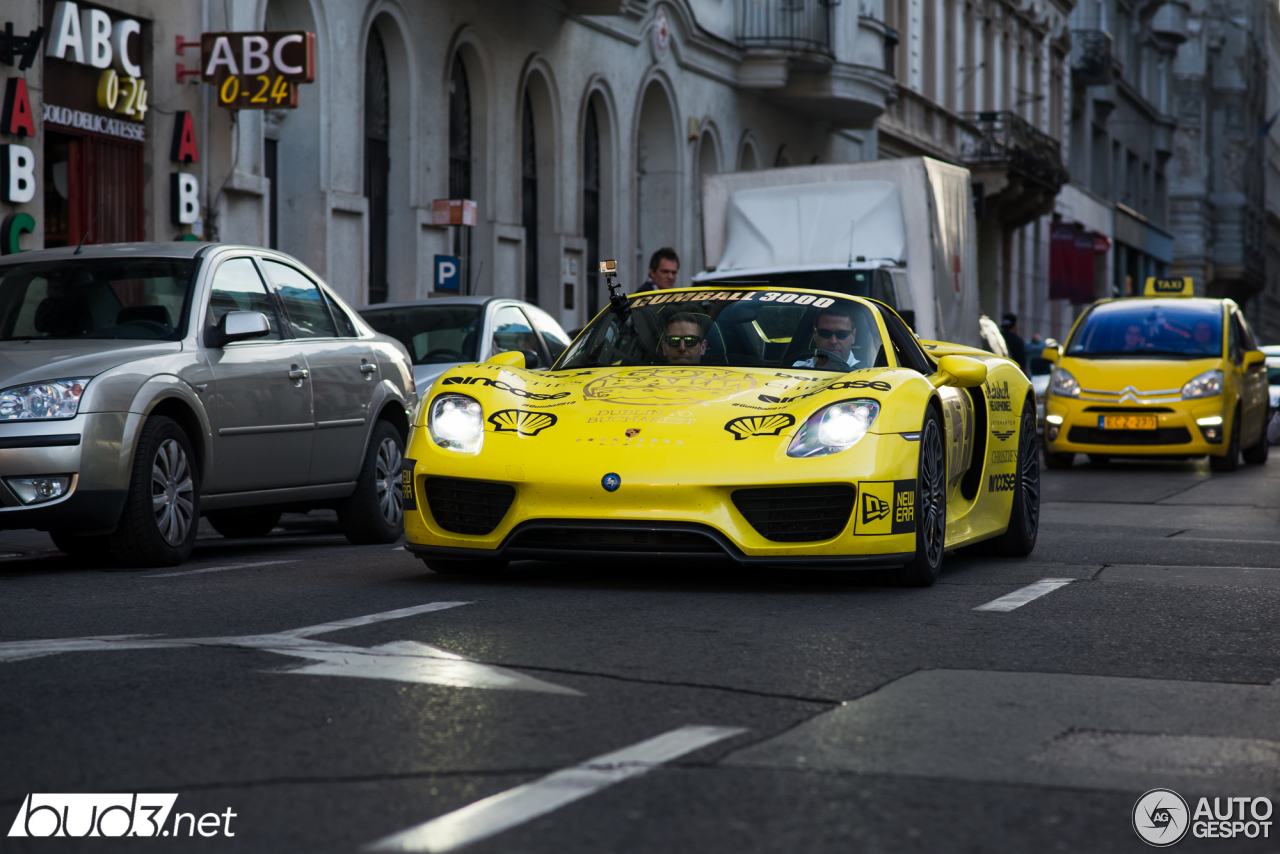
{"x":683,"y":342}
{"x":833,"y":334}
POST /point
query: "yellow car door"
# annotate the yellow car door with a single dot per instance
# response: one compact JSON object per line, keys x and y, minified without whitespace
{"x":1250,"y":379}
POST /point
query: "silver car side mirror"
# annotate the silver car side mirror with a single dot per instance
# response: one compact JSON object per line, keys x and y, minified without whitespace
{"x":242,"y":326}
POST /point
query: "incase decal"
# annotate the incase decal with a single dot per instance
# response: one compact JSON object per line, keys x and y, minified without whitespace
{"x":521,"y":422}
{"x":875,"y":385}
{"x":887,"y":507}
{"x":759,"y":425}
{"x":1000,"y":482}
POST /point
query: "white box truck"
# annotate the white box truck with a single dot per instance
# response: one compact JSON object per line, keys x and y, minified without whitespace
{"x":900,"y":231}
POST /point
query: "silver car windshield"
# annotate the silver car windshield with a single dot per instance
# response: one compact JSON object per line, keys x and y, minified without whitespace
{"x":744,"y":329}
{"x":134,"y":298}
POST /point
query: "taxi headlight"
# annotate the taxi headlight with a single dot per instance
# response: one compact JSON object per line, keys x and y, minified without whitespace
{"x":1206,"y":385}
{"x":456,"y":422}
{"x":834,"y":429}
{"x":1063,"y":384}
{"x":42,"y":401}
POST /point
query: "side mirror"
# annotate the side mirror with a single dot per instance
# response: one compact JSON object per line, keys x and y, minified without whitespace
{"x":526,"y":359}
{"x":1051,"y":355}
{"x":242,"y":326}
{"x":1254,"y":357}
{"x":959,"y":372}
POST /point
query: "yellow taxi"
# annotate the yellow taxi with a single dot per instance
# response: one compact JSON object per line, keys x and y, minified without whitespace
{"x":1165,"y":374}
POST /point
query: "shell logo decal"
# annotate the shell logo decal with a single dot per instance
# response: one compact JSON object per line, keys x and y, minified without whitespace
{"x":759,"y":425}
{"x":521,"y":421}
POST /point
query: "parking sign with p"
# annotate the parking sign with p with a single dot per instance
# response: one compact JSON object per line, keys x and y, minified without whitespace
{"x":446,"y":278}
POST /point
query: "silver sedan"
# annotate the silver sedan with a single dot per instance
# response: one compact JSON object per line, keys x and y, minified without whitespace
{"x":143,"y":385}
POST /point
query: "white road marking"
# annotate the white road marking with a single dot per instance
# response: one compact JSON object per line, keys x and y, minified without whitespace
{"x":1018,"y":598}
{"x":217,"y":568}
{"x":1226,"y":540}
{"x":398,"y":661}
{"x":505,"y":810}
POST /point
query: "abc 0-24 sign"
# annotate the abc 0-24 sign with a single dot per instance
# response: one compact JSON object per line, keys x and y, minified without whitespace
{"x":258,"y":70}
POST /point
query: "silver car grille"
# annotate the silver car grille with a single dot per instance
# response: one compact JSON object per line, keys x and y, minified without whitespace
{"x":1129,"y":394}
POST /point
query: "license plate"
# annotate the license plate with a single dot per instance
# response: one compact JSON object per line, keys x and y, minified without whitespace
{"x":1127,"y":422}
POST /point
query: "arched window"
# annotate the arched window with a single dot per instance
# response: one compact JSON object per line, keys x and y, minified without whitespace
{"x":460,"y":162}
{"x":529,"y":200}
{"x":377,"y":161}
{"x":591,"y":207}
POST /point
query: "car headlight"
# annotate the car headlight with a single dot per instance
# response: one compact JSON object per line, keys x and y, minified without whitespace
{"x":834,"y":429}
{"x":456,"y":422}
{"x":42,"y":401}
{"x":1206,"y":385}
{"x":1063,"y":384}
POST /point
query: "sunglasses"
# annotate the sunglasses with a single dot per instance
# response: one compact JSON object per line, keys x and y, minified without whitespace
{"x":838,"y":334}
{"x":690,"y":341}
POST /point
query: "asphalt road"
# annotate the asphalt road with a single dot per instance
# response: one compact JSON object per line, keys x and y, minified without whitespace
{"x":763,"y":711}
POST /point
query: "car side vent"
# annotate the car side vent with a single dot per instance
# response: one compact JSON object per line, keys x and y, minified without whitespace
{"x":467,"y":506}
{"x":797,"y":514}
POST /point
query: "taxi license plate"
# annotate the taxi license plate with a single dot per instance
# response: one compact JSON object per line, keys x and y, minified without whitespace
{"x":1126,"y":422}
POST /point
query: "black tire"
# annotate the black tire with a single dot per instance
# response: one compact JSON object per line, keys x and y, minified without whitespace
{"x":91,"y":549}
{"x":244,"y":522}
{"x":483,"y":566}
{"x":931,"y":508}
{"x":1024,"y":515}
{"x":1256,"y":455}
{"x":1058,"y":462}
{"x":374,"y":513}
{"x":1231,"y":460}
{"x":162,"y":511}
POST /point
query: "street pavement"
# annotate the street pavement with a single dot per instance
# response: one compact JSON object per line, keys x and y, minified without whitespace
{"x":341,"y":698}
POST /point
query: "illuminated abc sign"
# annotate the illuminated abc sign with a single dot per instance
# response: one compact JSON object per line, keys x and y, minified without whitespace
{"x":258,"y":71}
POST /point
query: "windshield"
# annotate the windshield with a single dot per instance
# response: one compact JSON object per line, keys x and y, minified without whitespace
{"x":433,"y":334}
{"x":143,"y":298}
{"x":1147,"y":328}
{"x":873,"y":284}
{"x":746,"y":329}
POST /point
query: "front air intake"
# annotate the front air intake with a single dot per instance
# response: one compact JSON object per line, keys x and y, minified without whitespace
{"x":467,"y":506}
{"x":797,"y":514}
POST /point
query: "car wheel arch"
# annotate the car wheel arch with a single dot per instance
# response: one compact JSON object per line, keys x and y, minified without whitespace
{"x":180,"y":410}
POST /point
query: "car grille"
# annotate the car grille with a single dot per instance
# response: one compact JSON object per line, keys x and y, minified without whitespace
{"x":1114,"y":409}
{"x":467,"y":506}
{"x":797,"y":514}
{"x":622,"y":539}
{"x":1163,"y":436}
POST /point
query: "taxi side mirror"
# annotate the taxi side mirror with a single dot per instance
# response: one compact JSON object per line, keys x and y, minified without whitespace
{"x":526,"y":359}
{"x":959,"y":372}
{"x":1051,"y":355}
{"x":1254,"y":357}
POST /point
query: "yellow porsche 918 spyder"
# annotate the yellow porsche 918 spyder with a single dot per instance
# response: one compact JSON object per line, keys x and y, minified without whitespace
{"x":784,"y":427}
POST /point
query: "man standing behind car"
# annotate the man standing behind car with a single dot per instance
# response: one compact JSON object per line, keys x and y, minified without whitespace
{"x":664,"y":266}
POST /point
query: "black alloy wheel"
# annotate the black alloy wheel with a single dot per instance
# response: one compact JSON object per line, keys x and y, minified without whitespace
{"x":1024,"y":514}
{"x":931,"y":508}
{"x":162,"y":510}
{"x":374,"y":513}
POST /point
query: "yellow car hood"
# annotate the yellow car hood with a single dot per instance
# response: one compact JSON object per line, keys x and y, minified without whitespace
{"x":1144,"y":375}
{"x":697,"y":403}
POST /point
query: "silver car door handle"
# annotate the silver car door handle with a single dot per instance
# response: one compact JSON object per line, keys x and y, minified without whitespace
{"x":298,"y":375}
{"x":366,"y":368}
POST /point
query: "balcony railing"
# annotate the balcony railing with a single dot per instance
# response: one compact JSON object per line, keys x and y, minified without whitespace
{"x":795,"y":25}
{"x":1092,"y":58}
{"x":1007,"y":141}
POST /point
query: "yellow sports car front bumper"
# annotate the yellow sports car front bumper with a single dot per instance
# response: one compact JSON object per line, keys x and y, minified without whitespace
{"x":672,"y":497}
{"x":1190,"y":428}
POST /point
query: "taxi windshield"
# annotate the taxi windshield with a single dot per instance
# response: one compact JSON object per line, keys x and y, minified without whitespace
{"x":1142,"y":328}
{"x":746,"y":329}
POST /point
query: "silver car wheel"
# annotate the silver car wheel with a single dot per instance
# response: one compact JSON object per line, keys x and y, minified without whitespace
{"x":171,"y":492}
{"x":387,"y":478}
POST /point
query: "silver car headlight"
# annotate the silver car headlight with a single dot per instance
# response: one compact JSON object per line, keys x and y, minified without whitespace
{"x":1207,"y":384}
{"x":1063,"y":384}
{"x":42,"y":401}
{"x":456,"y":422}
{"x":837,"y":428}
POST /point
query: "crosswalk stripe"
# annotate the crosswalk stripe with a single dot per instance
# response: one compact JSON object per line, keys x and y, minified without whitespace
{"x":1018,"y":598}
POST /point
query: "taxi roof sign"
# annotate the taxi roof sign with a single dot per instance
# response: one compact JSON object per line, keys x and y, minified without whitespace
{"x":1169,"y":287}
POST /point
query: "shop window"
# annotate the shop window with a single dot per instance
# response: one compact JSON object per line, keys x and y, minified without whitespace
{"x":92,"y":190}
